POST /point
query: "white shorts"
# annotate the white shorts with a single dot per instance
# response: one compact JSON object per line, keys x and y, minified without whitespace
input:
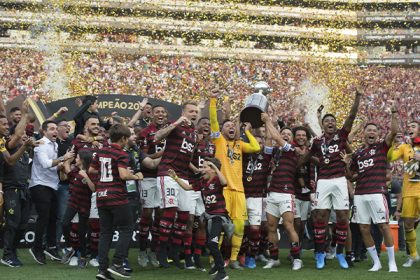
{"x":93,"y":208}
{"x":149,"y":194}
{"x":332,"y":193}
{"x":256,"y":208}
{"x":173,"y":195}
{"x":279,"y":203}
{"x":370,"y":208}
{"x":302,"y":209}
{"x":197,"y":204}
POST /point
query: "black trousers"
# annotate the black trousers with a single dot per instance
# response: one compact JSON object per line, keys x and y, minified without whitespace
{"x":119,"y":218}
{"x":17,"y":208}
{"x":45,"y":200}
{"x":213,"y":235}
{"x":82,"y":228}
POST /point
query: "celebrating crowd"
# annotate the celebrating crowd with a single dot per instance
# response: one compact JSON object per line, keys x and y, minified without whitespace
{"x":179,"y":78}
{"x":198,"y":183}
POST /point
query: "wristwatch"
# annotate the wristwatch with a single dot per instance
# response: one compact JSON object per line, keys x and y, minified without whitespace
{"x":61,"y":159}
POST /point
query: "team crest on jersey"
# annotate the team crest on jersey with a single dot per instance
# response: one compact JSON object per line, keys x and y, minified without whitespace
{"x":372,"y":152}
{"x":211,"y":187}
{"x":336,"y":137}
{"x":211,"y":150}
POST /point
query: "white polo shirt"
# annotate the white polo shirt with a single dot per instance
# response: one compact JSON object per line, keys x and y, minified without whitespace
{"x":43,"y":173}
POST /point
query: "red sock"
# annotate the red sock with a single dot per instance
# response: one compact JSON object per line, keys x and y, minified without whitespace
{"x":180,"y":226}
{"x":274,"y":251}
{"x":145,"y":224}
{"x":200,"y":241}
{"x":94,"y":236}
{"x":254,"y":241}
{"x":166,"y":223}
{"x":295,"y":250}
{"x":187,"y":240}
{"x":320,"y":229}
{"x":74,"y":236}
{"x":341,"y":235}
{"x":155,"y":234}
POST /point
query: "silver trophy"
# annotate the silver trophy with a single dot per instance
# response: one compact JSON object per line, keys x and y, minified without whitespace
{"x":255,"y":104}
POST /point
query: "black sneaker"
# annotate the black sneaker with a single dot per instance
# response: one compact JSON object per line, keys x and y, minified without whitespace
{"x":82,"y":262}
{"x":189,"y":264}
{"x":349,"y":260}
{"x":38,"y":256}
{"x":221,"y":275}
{"x":198,"y":264}
{"x":213,"y":270}
{"x":174,"y":256}
{"x":52,"y":252}
{"x":127,"y":266}
{"x":119,"y":271}
{"x":104,"y":275}
{"x":163,"y":258}
{"x":10,"y":262}
{"x":17,"y":261}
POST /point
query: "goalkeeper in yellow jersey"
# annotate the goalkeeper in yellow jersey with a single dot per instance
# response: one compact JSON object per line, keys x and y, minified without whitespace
{"x":229,"y":151}
{"x":409,"y":208}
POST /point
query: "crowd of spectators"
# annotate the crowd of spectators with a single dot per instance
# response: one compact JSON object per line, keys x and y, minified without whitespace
{"x":178,"y":78}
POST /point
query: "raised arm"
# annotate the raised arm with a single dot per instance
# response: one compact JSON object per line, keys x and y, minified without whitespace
{"x":319,"y":116}
{"x":164,"y":132}
{"x":252,"y":146}
{"x":394,"y":125}
{"x":353,"y":112}
{"x":2,"y":106}
{"x":57,"y":114}
{"x":214,"y":123}
{"x":227,"y":108}
{"x":272,"y":131}
{"x":355,"y":130}
{"x":137,"y":115}
{"x":20,"y":127}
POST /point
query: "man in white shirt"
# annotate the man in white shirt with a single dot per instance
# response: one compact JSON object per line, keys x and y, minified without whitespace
{"x":43,"y":188}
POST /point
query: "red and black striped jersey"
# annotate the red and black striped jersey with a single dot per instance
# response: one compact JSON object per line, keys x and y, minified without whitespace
{"x":212,"y":192}
{"x":80,"y":194}
{"x":370,"y":164}
{"x":328,"y":152}
{"x":78,"y":144}
{"x":285,"y":170}
{"x":110,"y":188}
{"x":204,"y":149}
{"x":256,"y":168}
{"x":150,"y":146}
{"x":179,"y":150}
